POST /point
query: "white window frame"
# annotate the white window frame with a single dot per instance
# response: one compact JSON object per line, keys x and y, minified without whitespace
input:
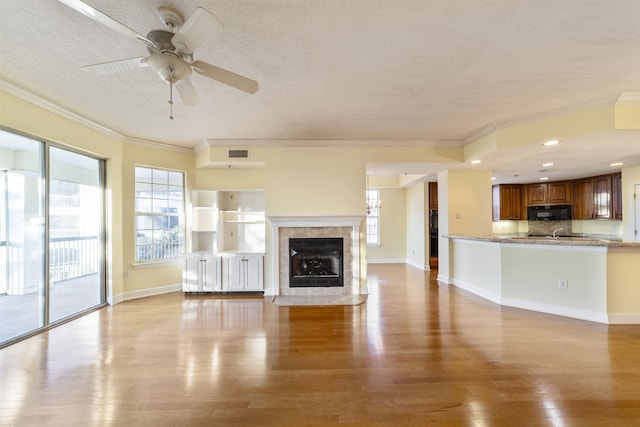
{"x":151,"y":196}
{"x":373,"y":218}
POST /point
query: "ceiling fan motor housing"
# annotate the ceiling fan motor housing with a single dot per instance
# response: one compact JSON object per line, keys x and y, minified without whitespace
{"x":161,"y":41}
{"x":170,"y":17}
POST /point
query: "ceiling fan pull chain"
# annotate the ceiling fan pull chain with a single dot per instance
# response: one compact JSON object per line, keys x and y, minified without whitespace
{"x":170,"y":100}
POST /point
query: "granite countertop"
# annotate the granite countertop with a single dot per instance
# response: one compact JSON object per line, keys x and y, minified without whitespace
{"x":573,"y":240}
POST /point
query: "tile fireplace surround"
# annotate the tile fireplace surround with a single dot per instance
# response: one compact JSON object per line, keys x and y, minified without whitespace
{"x":347,"y":227}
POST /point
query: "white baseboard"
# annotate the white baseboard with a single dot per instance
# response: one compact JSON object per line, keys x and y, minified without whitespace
{"x":387,"y":261}
{"x":478,"y":291}
{"x":418,"y":265}
{"x":624,"y":318}
{"x":443,"y":279}
{"x":574,"y":313}
{"x":143,"y":293}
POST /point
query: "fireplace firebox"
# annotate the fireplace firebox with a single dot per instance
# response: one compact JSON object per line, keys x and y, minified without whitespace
{"x":316,"y":262}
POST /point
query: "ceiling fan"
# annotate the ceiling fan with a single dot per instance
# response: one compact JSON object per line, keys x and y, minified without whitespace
{"x":170,"y":50}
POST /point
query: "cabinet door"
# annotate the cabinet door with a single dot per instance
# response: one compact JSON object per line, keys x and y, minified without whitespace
{"x":536,"y":194}
{"x":602,"y":200}
{"x":233,"y":274}
{"x":559,"y":192}
{"x":617,"y":195}
{"x":582,"y":199}
{"x":191,"y":274}
{"x":507,"y":202}
{"x":210,"y":273}
{"x":254,"y":273}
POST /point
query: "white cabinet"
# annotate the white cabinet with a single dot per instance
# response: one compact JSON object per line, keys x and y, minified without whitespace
{"x":201,"y":273}
{"x":242,"y":272}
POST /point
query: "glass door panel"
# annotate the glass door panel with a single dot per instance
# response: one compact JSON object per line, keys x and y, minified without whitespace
{"x":75,"y":233}
{"x":22,"y":284}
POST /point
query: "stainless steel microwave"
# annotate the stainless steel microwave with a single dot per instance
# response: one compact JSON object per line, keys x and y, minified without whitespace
{"x":549,"y":213}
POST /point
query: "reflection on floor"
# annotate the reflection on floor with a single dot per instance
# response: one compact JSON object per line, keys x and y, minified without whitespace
{"x":416,"y":353}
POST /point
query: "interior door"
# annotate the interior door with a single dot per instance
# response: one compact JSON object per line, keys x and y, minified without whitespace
{"x":636,"y":193}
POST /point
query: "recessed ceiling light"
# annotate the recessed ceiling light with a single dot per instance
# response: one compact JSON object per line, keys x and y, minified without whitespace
{"x":546,"y":165}
{"x":475,"y":162}
{"x":493,"y":178}
{"x":544,"y":178}
{"x":617,"y":164}
{"x":552,"y":142}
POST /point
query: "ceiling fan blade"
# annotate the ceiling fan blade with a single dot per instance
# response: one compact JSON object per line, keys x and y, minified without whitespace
{"x":117,"y":66}
{"x":187,"y":92}
{"x":201,"y":27}
{"x":227,"y":77}
{"x":96,"y":15}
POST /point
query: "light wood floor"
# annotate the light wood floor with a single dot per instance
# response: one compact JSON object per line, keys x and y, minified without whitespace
{"x":414,"y":354}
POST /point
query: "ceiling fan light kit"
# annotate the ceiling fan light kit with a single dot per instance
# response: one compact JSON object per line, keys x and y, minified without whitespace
{"x":170,"y":49}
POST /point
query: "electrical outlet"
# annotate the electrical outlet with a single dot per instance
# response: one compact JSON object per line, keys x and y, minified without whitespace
{"x":563,"y":284}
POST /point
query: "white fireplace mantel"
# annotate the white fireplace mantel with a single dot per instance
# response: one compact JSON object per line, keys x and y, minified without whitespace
{"x":280,"y":258}
{"x":316,"y":221}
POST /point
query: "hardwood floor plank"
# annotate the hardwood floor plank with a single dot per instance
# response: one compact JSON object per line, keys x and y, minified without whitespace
{"x":415,"y":353}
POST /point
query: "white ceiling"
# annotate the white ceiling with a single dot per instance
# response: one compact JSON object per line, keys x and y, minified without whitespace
{"x":385,"y":71}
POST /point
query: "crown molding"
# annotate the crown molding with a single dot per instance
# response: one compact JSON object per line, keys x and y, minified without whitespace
{"x":157,"y":145}
{"x":623,"y":98}
{"x":324,"y":143}
{"x":629,"y":98}
{"x":51,"y":107}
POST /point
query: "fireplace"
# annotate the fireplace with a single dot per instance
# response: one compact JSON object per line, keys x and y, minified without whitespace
{"x":316,"y":262}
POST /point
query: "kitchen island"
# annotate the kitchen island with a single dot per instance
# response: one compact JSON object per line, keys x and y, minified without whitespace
{"x":594,"y":279}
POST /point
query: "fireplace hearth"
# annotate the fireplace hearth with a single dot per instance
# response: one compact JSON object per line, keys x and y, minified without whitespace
{"x":316,"y":262}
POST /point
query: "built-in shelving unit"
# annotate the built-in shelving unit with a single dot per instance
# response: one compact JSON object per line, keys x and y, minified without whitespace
{"x":227,"y":241}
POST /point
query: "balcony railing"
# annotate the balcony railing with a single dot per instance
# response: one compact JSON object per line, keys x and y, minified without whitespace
{"x":71,"y":257}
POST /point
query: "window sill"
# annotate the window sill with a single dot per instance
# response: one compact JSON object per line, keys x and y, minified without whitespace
{"x":157,"y":263}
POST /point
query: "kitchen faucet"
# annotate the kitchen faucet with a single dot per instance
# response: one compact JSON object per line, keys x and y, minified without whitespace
{"x":555,"y":235}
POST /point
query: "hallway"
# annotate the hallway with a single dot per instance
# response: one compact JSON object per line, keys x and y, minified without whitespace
{"x":415,"y":353}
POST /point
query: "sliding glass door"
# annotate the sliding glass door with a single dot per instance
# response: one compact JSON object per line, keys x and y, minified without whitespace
{"x":22,"y":237}
{"x":51,"y":235}
{"x":75,"y":238}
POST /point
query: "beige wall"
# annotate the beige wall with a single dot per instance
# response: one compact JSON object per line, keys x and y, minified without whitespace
{"x":416,"y":216}
{"x":314,"y":181}
{"x":623,"y":279}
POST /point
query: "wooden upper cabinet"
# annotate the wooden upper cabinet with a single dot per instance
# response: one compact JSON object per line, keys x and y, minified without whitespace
{"x":593,"y":198}
{"x":616,"y":184}
{"x":559,"y":192}
{"x":536,"y":194}
{"x":507,"y":202}
{"x":433,"y":196}
{"x":582,"y":199}
{"x":551,"y":193}
{"x":602,"y":197}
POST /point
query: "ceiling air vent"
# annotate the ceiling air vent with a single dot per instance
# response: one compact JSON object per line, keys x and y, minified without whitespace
{"x":238,"y":154}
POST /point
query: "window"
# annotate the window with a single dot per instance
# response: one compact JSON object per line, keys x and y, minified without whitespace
{"x":373,"y":217}
{"x":159,"y":214}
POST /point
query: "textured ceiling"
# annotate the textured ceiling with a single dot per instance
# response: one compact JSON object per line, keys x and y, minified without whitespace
{"x":382,"y":70}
